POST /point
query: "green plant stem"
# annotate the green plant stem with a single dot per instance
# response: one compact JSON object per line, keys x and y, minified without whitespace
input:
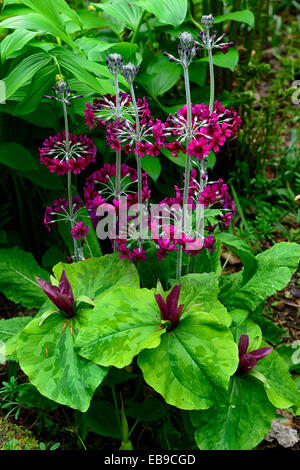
{"x":117,"y":408}
{"x":119,"y":152}
{"x":69,"y":181}
{"x":138,"y":159}
{"x":138,"y":26}
{"x":187,"y":163}
{"x":211,"y":74}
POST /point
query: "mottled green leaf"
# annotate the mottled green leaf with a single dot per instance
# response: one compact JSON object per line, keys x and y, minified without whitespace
{"x":94,"y":276}
{"x":241,"y":423}
{"x":192,"y":365}
{"x":202,"y":290}
{"x":46,"y":355}
{"x":123,"y":322}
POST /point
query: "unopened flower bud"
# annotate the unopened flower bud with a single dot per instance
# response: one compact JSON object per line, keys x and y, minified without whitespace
{"x":186,"y":40}
{"x":114,"y":63}
{"x":207,"y":20}
{"x":129,"y":72}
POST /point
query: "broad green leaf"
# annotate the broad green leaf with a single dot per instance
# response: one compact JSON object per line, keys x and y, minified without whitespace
{"x":99,"y":274}
{"x":192,"y":366}
{"x":274,"y":271}
{"x":148,"y":411}
{"x":17,"y":278}
{"x":242,"y":250}
{"x":160,"y":76}
{"x":152,"y":166}
{"x":101,"y":418}
{"x":280,"y":387}
{"x":42,"y":177}
{"x":9,"y":333}
{"x":242,"y":324}
{"x":123,"y":322}
{"x":125,"y":11}
{"x":228,"y":61}
{"x":14,"y":42}
{"x":207,"y":262}
{"x":24,"y":72}
{"x":180,"y":160}
{"x":244,"y":16}
{"x":201,"y":291}
{"x":241,"y":423}
{"x":39,"y":23}
{"x":17,"y":157}
{"x":40,"y":84}
{"x":167,"y":14}
{"x":46,"y":355}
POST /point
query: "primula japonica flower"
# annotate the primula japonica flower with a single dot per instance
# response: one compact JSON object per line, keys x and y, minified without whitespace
{"x":60,"y":210}
{"x":61,"y":296}
{"x":80,"y":231}
{"x":249,"y":360}
{"x":170,"y":310}
{"x":61,"y":157}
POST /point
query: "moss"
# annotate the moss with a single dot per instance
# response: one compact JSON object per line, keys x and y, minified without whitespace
{"x":23,"y":439}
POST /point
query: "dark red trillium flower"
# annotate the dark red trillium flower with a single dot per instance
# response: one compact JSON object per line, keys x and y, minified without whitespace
{"x":61,"y":296}
{"x":249,"y":360}
{"x":169,"y":309}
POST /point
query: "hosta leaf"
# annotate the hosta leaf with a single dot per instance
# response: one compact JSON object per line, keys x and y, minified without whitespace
{"x":202,"y":290}
{"x":228,"y":61}
{"x":241,"y":424}
{"x":160,"y":76}
{"x":14,"y":42}
{"x":244,"y":16}
{"x":46,"y":355}
{"x":17,"y":157}
{"x":275,"y":268}
{"x":164,"y":12}
{"x":125,"y":11}
{"x":17,"y":278}
{"x":24,"y":72}
{"x":192,"y":365}
{"x":123,"y":322}
{"x":99,"y":274}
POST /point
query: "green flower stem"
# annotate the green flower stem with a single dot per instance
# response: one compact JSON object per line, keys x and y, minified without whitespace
{"x":138,"y":159}
{"x":119,"y":152}
{"x":69,"y":182}
{"x":211,"y":74}
{"x":187,"y":162}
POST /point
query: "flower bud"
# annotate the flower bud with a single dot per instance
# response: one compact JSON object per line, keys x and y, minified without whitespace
{"x":114,"y":63}
{"x":186,"y":40}
{"x":207,"y":20}
{"x":129,"y":72}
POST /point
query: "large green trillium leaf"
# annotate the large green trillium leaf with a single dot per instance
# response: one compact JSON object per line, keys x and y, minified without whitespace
{"x":203,"y":290}
{"x":242,"y":324}
{"x":279,"y":385}
{"x":192,"y":366}
{"x":94,"y":276}
{"x":123,"y":322}
{"x":9,"y":333}
{"x":243,"y":421}
{"x":47,"y":356}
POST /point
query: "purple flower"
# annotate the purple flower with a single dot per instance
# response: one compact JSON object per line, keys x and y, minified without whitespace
{"x":169,"y":309}
{"x":249,"y":360}
{"x":61,"y":296}
{"x":79,"y":231}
